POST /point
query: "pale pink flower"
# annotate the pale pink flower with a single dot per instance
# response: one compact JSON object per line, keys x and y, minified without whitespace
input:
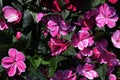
{"x":112,"y":77}
{"x":113,"y":1}
{"x":11,"y":14}
{"x":14,"y":63}
{"x":3,"y":24}
{"x":39,"y":16}
{"x":57,"y":46}
{"x":82,"y":39}
{"x":116,"y":38}
{"x":87,"y":71}
{"x":57,"y":26}
{"x":18,"y":35}
{"x":107,"y":15}
{"x":64,"y":75}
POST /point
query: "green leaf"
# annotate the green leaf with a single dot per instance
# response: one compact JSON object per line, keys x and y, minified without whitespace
{"x":68,"y":36}
{"x":102,"y":70}
{"x":17,"y":5}
{"x":27,"y":19}
{"x":65,"y":13}
{"x":53,"y":64}
{"x":70,"y":51}
{"x":118,"y":72}
{"x":35,"y":74}
{"x":95,"y":3}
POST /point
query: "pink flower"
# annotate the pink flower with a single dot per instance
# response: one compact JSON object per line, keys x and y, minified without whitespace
{"x":113,"y":1}
{"x":82,"y":39}
{"x":14,"y":64}
{"x":88,"y":20}
{"x":18,"y":35}
{"x":102,"y":54}
{"x":3,"y":24}
{"x":107,"y":15}
{"x":87,"y":71}
{"x":86,"y":52}
{"x":57,"y":26}
{"x":39,"y":16}
{"x":11,"y":14}
{"x":112,"y":77}
{"x":64,"y":75}
{"x":57,"y":46}
{"x":116,"y":38}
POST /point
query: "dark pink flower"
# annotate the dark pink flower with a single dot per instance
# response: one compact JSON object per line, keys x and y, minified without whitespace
{"x":87,"y":20}
{"x":64,"y":75}
{"x":51,"y":4}
{"x":57,"y":46}
{"x":11,"y":14}
{"x":116,"y":38}
{"x":39,"y":16}
{"x":113,"y":1}
{"x":57,"y":26}
{"x":87,"y":71}
{"x":82,"y":39}
{"x":107,"y":15}
{"x":86,"y":52}
{"x":14,"y":63}
{"x":3,"y":24}
{"x":18,"y":35}
{"x":102,"y":54}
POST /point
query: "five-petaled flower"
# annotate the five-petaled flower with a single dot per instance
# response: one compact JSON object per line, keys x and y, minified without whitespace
{"x":87,"y":71}
{"x":107,"y":15}
{"x":58,"y":26}
{"x":14,"y":63}
{"x":82,"y":39}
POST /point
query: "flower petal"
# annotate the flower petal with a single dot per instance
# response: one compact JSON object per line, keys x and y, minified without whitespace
{"x":12,"y":70}
{"x":7,"y":62}
{"x":21,"y":66}
{"x":20,"y":56}
{"x":12,"y":52}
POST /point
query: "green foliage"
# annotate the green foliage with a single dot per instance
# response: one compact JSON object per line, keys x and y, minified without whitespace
{"x":53,"y":64}
{"x":102,"y":70}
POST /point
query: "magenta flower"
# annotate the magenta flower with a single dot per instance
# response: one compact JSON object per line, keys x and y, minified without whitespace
{"x":112,"y":77}
{"x":18,"y":35}
{"x":57,"y":46}
{"x":82,"y":39}
{"x":39,"y":16}
{"x":64,"y":75}
{"x":11,"y":14}
{"x":107,"y":15}
{"x":86,"y":52}
{"x":87,"y":71}
{"x":14,"y":64}
{"x":57,"y":26}
{"x":116,"y":38}
{"x":3,"y":24}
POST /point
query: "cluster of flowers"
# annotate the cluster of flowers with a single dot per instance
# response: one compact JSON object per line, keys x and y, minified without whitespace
{"x":83,"y":40}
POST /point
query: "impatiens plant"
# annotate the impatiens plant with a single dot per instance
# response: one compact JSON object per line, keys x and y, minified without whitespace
{"x":14,"y":64}
{"x":60,"y":39}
